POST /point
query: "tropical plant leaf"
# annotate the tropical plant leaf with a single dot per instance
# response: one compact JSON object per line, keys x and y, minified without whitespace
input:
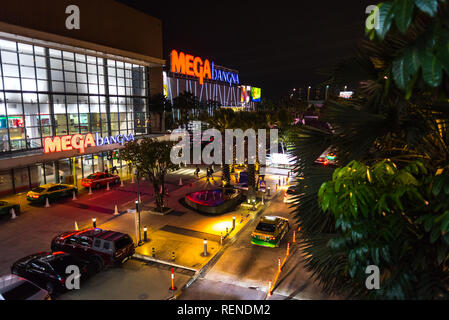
{"x":428,"y":6}
{"x":403,"y":10}
{"x":386,"y":16}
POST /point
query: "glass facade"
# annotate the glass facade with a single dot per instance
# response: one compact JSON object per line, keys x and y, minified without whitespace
{"x":46,"y":92}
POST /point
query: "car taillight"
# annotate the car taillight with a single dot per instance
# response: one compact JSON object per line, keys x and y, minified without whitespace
{"x":35,"y":196}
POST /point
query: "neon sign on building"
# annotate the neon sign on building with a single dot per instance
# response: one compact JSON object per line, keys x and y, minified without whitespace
{"x":202,"y":69}
{"x":82,"y":141}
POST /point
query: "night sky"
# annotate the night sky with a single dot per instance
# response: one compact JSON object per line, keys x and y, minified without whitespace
{"x":275,"y":45}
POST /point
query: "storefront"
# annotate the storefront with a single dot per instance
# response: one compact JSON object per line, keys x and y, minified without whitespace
{"x":53,"y":85}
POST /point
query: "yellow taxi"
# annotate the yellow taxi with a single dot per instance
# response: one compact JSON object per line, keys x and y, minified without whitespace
{"x":270,"y":231}
{"x":52,"y":191}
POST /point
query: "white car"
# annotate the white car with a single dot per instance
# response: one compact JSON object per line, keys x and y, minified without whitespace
{"x":13,"y":287}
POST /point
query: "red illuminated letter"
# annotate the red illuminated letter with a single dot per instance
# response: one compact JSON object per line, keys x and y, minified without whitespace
{"x":66,"y":143}
{"x":78,"y":142}
{"x":89,"y":141}
{"x":198,"y":72}
{"x":52,"y":145}
{"x":207,"y":73}
{"x":189,"y":65}
{"x":178,"y":62}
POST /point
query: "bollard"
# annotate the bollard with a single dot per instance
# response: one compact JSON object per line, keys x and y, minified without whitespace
{"x":227,"y":232}
{"x":172,"y":287}
{"x":116,"y":213}
{"x":107,"y":187}
{"x":269,"y":189}
{"x":180,"y":181}
{"x":279,"y":180}
{"x":90,"y":190}
{"x":233,"y":222}
{"x":269,"y":289}
{"x":279,"y":264}
{"x":47,"y":203}
{"x":221,"y":238}
{"x":263,"y":199}
{"x":94,"y":222}
{"x":288,"y":249}
{"x":76,"y":226}
{"x":276,"y":187}
{"x":13,"y":214}
{"x":132,"y":180}
{"x":153,"y":252}
{"x":145,"y":236}
{"x":74,"y":196}
{"x":205,"y":247}
{"x":294,"y":236}
{"x":241,"y":217}
{"x":173,"y":256}
{"x":122,"y":184}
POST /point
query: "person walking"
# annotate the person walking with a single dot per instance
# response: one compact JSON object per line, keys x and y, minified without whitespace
{"x":212,"y":174}
{"x":114,"y":169}
{"x":197,"y":172}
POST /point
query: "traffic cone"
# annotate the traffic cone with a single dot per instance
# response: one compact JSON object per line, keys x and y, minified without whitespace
{"x":90,"y":190}
{"x":116,"y":213}
{"x":13,"y":214}
{"x":132,"y":179}
{"x":107,"y":187}
{"x":180,"y":181}
{"x":74,"y":196}
{"x":76,"y":226}
{"x":47,"y":203}
{"x":121,"y":184}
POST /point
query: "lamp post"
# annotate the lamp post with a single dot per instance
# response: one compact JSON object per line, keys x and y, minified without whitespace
{"x":327,"y":92}
{"x":137,"y":217}
{"x":308,"y":93}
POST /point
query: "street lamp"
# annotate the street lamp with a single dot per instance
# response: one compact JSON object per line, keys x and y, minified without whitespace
{"x":137,"y":217}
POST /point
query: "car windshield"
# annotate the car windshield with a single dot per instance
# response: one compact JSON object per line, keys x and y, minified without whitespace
{"x":60,"y":264}
{"x":38,"y":190}
{"x":22,"y":292}
{"x":92,"y":176}
{"x":266,"y":227}
{"x":122,"y":242}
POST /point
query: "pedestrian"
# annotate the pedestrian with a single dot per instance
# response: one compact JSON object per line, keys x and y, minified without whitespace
{"x":211,"y":172}
{"x":114,"y":169}
{"x":207,"y":174}
{"x":197,"y":172}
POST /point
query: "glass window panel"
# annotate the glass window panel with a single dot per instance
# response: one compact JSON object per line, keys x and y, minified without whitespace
{"x":41,"y":62}
{"x":69,"y":65}
{"x":57,"y":75}
{"x":81,"y":67}
{"x":68,"y":55}
{"x":56,"y":63}
{"x":70,"y":76}
{"x":44,"y":108}
{"x":58,"y":86}
{"x":41,"y":73}
{"x":28,"y":85}
{"x":26,"y":48}
{"x":84,"y":108}
{"x":70,"y":87}
{"x":26,"y":60}
{"x":82,"y":88}
{"x":92,"y":60}
{"x":55,"y":53}
{"x":9,"y":45}
{"x":80,"y":57}
{"x":113,"y":90}
{"x":30,"y":98}
{"x":44,"y":98}
{"x":27,"y":72}
{"x":82,"y":77}
{"x":9,"y":57}
{"x":10,"y":71}
{"x":12,"y":84}
{"x":92,"y":69}
{"x":93,"y":88}
{"x":42,"y":85}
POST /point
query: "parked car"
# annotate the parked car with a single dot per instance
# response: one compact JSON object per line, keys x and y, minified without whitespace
{"x":52,"y":191}
{"x":100,"y":179}
{"x":270,"y":231}
{"x":48,"y":270}
{"x":5,"y":208}
{"x":13,"y":287}
{"x":101,"y":247}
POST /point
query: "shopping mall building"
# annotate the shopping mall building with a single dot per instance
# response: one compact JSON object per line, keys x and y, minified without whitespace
{"x":71,"y":96}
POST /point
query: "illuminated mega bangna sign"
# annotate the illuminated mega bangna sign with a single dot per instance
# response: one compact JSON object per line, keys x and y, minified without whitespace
{"x":195,"y":66}
{"x":82,"y":142}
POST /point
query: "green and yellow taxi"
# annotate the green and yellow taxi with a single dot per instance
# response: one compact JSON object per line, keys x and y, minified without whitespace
{"x":52,"y":191}
{"x":270,"y":231}
{"x":5,"y":208}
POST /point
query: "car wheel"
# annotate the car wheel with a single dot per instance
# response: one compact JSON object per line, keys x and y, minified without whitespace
{"x":116,"y":181}
{"x":50,"y":287}
{"x":97,"y":186}
{"x":98,"y":264}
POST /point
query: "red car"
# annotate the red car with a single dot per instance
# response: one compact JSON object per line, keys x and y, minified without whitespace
{"x":100,"y":179}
